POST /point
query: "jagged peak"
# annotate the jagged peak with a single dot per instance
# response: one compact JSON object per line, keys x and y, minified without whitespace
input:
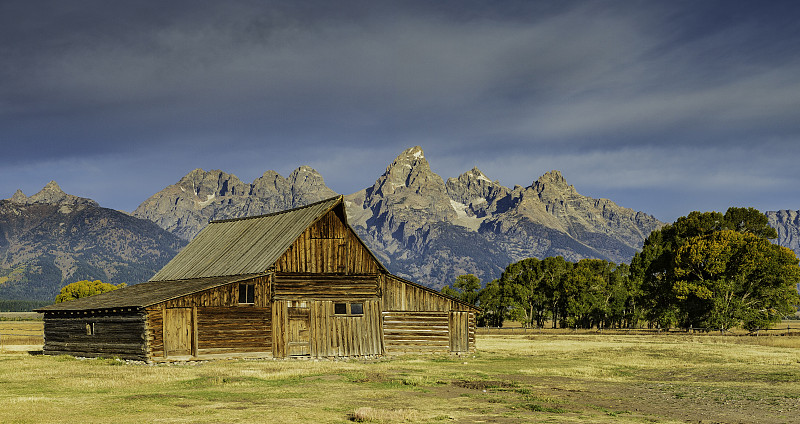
{"x":303,"y":169}
{"x":51,"y":193}
{"x":552,"y":179}
{"x":408,"y":158}
{"x":477,"y":174}
{"x":18,"y":197}
{"x":415,"y":151}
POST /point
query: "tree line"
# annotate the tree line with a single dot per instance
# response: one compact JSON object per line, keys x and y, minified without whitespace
{"x":705,"y":270}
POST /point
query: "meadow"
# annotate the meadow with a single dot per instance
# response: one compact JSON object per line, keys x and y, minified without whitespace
{"x":547,"y":377}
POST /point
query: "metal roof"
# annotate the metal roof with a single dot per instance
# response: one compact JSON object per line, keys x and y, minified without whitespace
{"x":144,"y":294}
{"x":244,"y":245}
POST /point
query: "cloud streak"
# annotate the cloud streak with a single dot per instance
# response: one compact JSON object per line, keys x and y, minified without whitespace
{"x":617,"y":90}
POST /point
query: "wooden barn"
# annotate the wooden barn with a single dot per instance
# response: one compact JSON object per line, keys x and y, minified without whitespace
{"x":298,"y":283}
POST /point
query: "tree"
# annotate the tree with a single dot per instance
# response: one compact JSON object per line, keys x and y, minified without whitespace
{"x":749,"y":220}
{"x":670,"y":292}
{"x":493,"y":310}
{"x":729,"y":278}
{"x":465,"y":289}
{"x":85,"y":288}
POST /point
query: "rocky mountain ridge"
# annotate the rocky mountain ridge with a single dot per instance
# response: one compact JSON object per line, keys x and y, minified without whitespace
{"x":185,"y":207}
{"x":787,"y":224}
{"x":421,"y":226}
{"x":51,"y":239}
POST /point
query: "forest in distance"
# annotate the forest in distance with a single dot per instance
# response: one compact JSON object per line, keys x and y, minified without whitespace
{"x":707,"y":270}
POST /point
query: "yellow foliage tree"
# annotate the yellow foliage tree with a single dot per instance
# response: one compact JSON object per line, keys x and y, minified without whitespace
{"x":85,"y":288}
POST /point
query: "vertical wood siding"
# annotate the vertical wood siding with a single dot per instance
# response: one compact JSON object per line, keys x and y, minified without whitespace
{"x":329,"y":335}
{"x":121,"y":335}
{"x":226,"y":295}
{"x":399,"y":295}
{"x":462,"y":331}
{"x":327,"y":246}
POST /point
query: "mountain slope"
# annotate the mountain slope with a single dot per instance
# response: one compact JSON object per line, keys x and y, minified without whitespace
{"x":787,"y":224}
{"x":432,"y":231}
{"x":52,"y":238}
{"x":185,"y":207}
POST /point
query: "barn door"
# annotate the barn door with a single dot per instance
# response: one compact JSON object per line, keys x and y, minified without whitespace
{"x":178,"y":331}
{"x":459,"y":331}
{"x":298,"y":340}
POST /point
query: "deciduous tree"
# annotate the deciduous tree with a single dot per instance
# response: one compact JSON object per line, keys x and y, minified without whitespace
{"x":85,"y":288}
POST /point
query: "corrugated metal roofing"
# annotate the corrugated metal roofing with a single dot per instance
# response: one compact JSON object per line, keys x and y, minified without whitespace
{"x":144,"y":294}
{"x":243,"y":246}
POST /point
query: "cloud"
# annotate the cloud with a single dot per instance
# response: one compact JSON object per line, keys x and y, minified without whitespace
{"x":647,"y":95}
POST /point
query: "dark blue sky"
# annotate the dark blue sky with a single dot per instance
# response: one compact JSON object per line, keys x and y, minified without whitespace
{"x":661,"y":106}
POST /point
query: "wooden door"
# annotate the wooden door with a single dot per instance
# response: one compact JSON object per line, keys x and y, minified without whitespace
{"x":298,"y":335}
{"x":178,"y":332}
{"x":459,"y":331}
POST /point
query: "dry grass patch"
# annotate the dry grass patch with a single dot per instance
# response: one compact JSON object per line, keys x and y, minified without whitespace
{"x":522,"y":378}
{"x":377,"y":415}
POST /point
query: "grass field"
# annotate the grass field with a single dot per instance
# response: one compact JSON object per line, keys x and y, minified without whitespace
{"x":512,"y":378}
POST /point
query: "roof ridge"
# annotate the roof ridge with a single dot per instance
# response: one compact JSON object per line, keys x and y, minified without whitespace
{"x":244,"y":218}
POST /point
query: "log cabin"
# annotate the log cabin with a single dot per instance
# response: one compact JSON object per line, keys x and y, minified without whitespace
{"x":297,"y":283}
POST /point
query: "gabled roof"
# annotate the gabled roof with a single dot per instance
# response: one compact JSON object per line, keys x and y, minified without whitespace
{"x":244,"y":245}
{"x":144,"y":294}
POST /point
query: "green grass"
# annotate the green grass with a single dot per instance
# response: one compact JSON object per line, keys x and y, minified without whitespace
{"x":520,"y":378}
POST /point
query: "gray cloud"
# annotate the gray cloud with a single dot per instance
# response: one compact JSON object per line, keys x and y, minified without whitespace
{"x":637,"y":95}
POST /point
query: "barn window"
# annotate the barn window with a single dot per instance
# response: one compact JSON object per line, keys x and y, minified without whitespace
{"x":90,"y":329}
{"x":247,"y":293}
{"x":348,"y":308}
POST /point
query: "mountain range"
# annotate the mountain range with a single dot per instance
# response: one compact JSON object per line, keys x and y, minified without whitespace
{"x":421,"y":226}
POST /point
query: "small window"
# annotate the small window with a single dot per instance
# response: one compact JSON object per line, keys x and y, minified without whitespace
{"x":90,"y":329}
{"x":247,"y":293}
{"x":348,"y":308}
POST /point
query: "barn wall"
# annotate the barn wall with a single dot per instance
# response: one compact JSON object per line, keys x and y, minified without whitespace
{"x":219,"y":324}
{"x":415,"y":331}
{"x":120,"y":334}
{"x":289,"y":286}
{"x":226,"y":295}
{"x":328,"y":246}
{"x":311,"y":328}
{"x":233,"y":329}
{"x":399,"y":295}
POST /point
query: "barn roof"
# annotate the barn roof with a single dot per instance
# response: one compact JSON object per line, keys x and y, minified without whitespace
{"x":244,"y":245}
{"x":144,"y":294}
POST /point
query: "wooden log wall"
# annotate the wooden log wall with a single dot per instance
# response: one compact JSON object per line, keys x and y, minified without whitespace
{"x":399,"y":295}
{"x":414,"y":331}
{"x":119,"y":334}
{"x":154,"y":328}
{"x":233,"y":329}
{"x":328,"y":246}
{"x":329,"y":335}
{"x":226,"y":295}
{"x":324,"y":286}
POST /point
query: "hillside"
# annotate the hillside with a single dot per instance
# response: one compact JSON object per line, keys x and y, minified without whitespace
{"x":52,"y":238}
